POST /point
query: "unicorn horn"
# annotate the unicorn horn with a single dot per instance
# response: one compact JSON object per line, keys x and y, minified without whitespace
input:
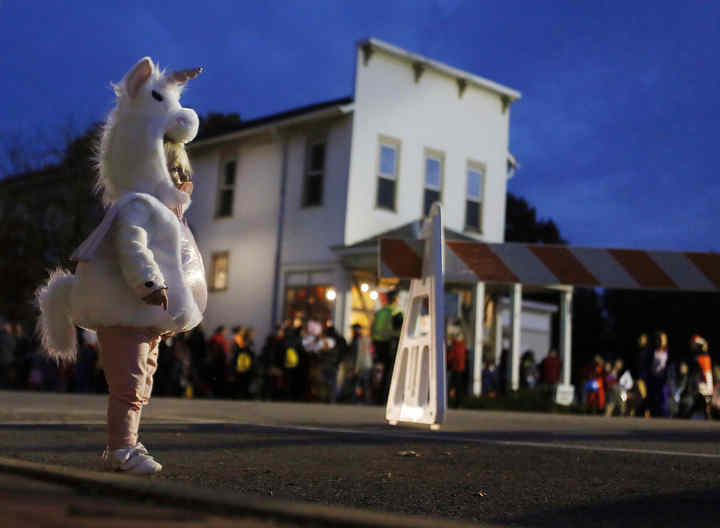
{"x":183,"y":76}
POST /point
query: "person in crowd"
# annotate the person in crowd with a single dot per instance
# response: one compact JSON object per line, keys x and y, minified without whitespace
{"x":337,"y":349}
{"x":502,"y":371}
{"x":658,"y":390}
{"x":295,"y":364}
{"x":165,"y":366}
{"x":219,"y":359}
{"x":528,"y":370}
{"x":384,"y":331}
{"x":7,"y":353}
{"x":639,"y":368}
{"x":335,"y":352}
{"x":456,"y":365}
{"x":87,"y":361}
{"x":703,"y":374}
{"x":200,"y":362}
{"x":181,"y":373}
{"x":550,"y":369}
{"x":615,"y":396}
{"x":321,"y":349}
{"x":489,"y":379}
{"x":682,"y":390}
{"x":346,"y":377}
{"x":65,"y":376}
{"x":595,"y":385}
{"x":24,"y":349}
{"x":272,"y":360}
{"x":715,"y":400}
{"x":243,"y":361}
{"x":361,"y":352}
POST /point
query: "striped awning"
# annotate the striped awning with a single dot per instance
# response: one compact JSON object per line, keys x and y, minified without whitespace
{"x":544,"y":265}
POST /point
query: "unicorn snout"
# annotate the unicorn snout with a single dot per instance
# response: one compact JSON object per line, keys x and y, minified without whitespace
{"x":184,"y":126}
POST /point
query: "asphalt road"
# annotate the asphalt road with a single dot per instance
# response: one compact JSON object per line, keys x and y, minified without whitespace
{"x":512,"y":469}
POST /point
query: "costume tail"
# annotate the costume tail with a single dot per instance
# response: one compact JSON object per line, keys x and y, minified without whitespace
{"x":55,"y":326}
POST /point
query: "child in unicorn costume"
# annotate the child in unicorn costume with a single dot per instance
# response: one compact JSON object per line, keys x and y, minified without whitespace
{"x":139,"y":275}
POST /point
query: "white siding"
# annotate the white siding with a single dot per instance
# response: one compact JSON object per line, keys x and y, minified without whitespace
{"x":310,"y":231}
{"x":424,"y":115}
{"x":387,"y":102}
{"x":249,"y":235}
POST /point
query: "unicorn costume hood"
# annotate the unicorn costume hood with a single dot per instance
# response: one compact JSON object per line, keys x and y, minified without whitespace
{"x":142,"y":245}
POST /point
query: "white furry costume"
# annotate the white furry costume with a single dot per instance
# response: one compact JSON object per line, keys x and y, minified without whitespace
{"x":141,"y":245}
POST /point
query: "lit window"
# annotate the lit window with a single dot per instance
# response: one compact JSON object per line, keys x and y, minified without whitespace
{"x":226,"y":190}
{"x":434,"y":168}
{"x":219,"y":271}
{"x":473,"y":203}
{"x":314,"y":175}
{"x":387,"y":172}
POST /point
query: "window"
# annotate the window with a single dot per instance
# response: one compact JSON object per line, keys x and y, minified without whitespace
{"x":226,"y":190}
{"x":219,"y":271}
{"x":387,"y":172}
{"x":310,"y":295}
{"x":473,"y":203}
{"x":434,"y":168}
{"x":314,"y":174}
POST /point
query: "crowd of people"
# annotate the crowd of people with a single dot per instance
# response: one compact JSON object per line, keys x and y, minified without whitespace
{"x":684,"y":384}
{"x":310,"y":362}
{"x":541,"y":376}
{"x":313,"y":362}
{"x":651,"y":383}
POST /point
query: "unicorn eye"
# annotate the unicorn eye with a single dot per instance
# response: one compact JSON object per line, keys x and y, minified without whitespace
{"x":157,"y":96}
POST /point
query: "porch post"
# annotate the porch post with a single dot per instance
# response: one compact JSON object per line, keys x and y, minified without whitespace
{"x":566,"y":334}
{"x":515,"y":308}
{"x":342,"y":300}
{"x":498,"y":333}
{"x":478,"y":344}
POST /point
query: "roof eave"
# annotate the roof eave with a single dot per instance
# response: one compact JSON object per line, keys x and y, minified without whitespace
{"x":510,"y":93}
{"x":334,"y":111}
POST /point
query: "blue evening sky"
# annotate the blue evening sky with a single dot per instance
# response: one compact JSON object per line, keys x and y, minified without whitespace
{"x":616,"y":132}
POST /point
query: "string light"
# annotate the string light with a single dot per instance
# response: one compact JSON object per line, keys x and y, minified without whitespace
{"x":331,"y":295}
{"x":373,"y":295}
{"x":364,"y":286}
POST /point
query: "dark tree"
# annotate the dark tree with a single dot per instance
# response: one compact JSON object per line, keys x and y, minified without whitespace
{"x":215,"y":124}
{"x":523,"y":225}
{"x":44,"y":216}
{"x":590,"y":334}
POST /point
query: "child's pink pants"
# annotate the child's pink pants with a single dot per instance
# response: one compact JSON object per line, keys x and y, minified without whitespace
{"x":129,"y":358}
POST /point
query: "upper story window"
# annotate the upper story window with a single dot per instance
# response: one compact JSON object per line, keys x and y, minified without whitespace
{"x":474,"y":200}
{"x":434,"y":169}
{"x":387,"y":172}
{"x":219,"y":271}
{"x":314,"y":174}
{"x":226,"y":190}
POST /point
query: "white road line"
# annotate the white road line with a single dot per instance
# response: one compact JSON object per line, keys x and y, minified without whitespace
{"x":436,"y":437}
{"x":168,"y":419}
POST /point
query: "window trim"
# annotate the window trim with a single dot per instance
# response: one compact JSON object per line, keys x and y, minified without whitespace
{"x":476,"y":166}
{"x":214,"y":256}
{"x":438,"y":155}
{"x":395,"y":143}
{"x":311,"y":142}
{"x":222,"y":186}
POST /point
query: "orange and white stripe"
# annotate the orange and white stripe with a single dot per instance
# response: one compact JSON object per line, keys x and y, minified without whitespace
{"x":544,"y":265}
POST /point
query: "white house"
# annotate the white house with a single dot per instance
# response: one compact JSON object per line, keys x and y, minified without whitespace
{"x":287,"y":208}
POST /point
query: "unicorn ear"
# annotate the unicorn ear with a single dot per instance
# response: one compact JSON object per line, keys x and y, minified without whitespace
{"x":137,"y":76}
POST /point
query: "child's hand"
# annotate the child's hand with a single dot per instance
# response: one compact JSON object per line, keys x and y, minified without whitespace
{"x":158,"y":298}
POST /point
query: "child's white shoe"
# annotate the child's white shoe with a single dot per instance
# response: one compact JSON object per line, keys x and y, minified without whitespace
{"x":130,"y":460}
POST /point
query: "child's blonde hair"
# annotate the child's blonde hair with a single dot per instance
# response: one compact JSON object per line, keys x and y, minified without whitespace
{"x":178,"y":162}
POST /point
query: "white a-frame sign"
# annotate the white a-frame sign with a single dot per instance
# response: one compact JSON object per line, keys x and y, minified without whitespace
{"x":417,"y":390}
